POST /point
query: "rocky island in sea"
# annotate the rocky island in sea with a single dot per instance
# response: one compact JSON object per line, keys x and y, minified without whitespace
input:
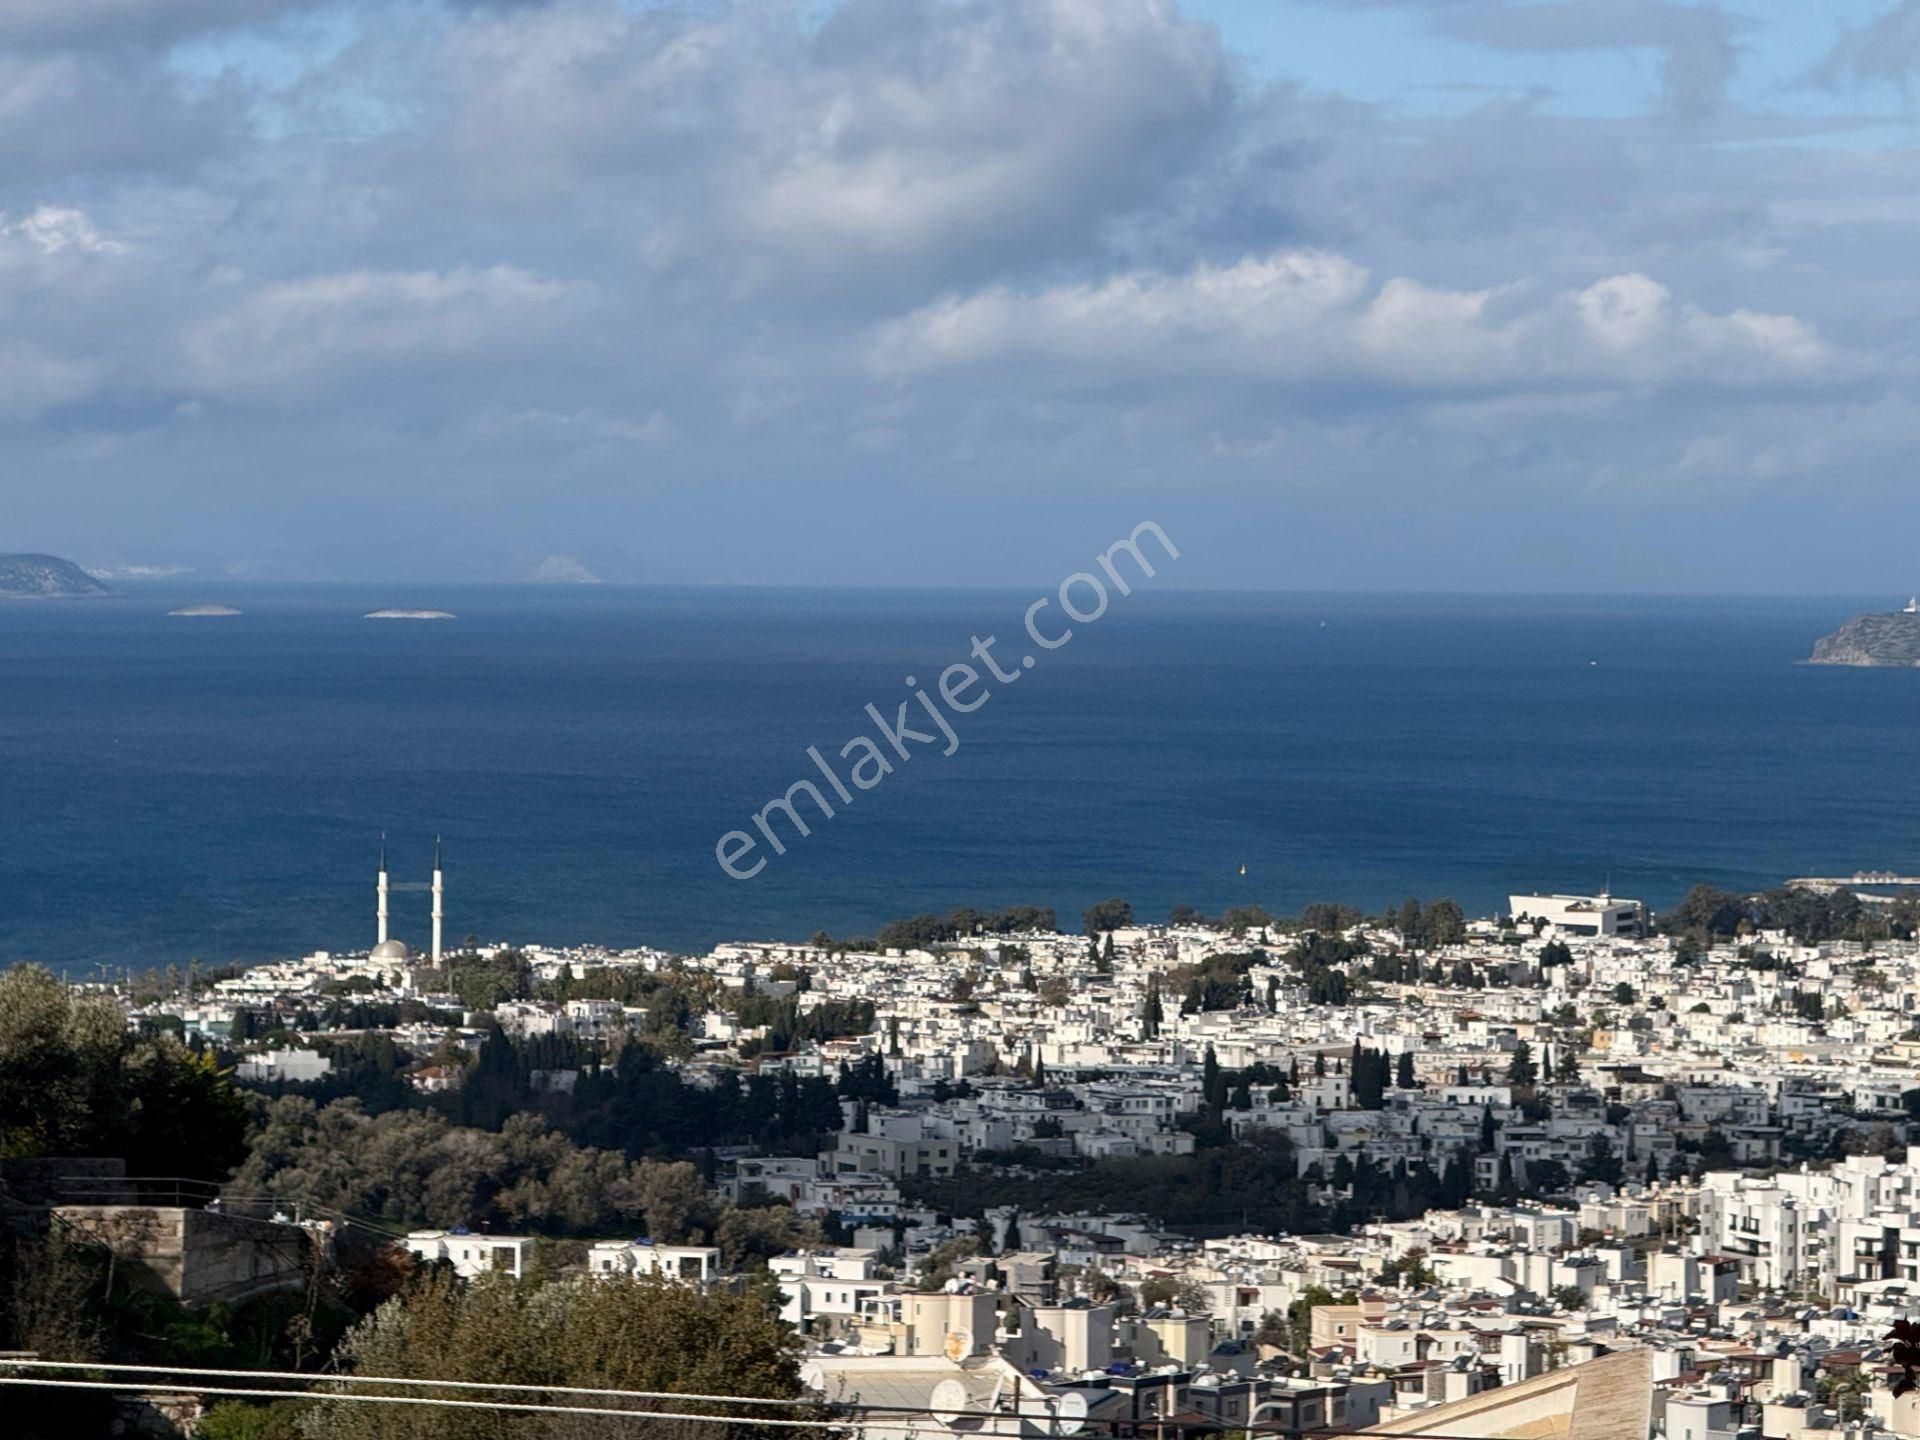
{"x":199,"y":612}
{"x":409,"y":615}
{"x":44,"y":577}
{"x":1892,"y":638}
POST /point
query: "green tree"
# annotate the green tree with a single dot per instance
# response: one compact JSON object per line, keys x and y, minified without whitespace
{"x":1520,"y":1069}
{"x":939,"y":1265}
{"x":645,"y":1334}
{"x":1445,"y":924}
{"x":1547,"y":1177}
{"x":1708,"y":912}
{"x":1179,"y":1292}
{"x":75,"y":1081}
{"x":1154,"y":1015}
{"x":1300,"y":1315}
{"x":1716,"y":1151}
{"x":1411,"y":925}
{"x":1602,"y":1163}
{"x":483,"y":984}
{"x":245,"y":1420}
{"x":1274,"y":1332}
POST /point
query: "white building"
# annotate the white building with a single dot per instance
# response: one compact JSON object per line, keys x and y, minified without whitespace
{"x":295,"y":1065}
{"x":473,"y":1255}
{"x":695,"y":1264}
{"x":1601,"y":914}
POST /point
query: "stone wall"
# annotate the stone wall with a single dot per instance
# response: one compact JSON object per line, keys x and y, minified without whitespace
{"x":197,"y":1257}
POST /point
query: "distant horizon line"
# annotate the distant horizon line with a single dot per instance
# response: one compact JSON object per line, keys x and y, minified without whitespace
{"x":117,"y":582}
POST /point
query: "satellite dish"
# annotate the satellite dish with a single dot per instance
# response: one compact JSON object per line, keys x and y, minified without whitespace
{"x":948,"y":1402}
{"x":959,"y":1344}
{"x":1036,"y":1403}
{"x":1070,"y":1412}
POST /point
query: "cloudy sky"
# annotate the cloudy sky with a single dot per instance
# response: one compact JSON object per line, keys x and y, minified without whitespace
{"x":1451,"y":294}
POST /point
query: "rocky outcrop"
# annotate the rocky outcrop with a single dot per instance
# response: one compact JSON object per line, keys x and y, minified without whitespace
{"x":1892,"y":639}
{"x":41,"y":577}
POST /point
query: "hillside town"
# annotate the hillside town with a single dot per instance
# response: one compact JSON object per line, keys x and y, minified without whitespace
{"x":1331,"y":1172}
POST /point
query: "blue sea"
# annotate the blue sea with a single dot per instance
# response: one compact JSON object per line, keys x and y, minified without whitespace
{"x":217,"y":788}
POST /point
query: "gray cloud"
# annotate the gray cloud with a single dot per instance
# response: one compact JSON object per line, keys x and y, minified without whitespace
{"x":1886,"y":50}
{"x":709,"y":285}
{"x":1698,"y":43}
{"x":893,"y":144}
{"x":120,"y":24}
{"x":69,"y":116}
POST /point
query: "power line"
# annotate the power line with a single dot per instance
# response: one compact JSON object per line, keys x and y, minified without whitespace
{"x":119,"y":1387}
{"x":996,"y":1424}
{"x":312,"y":1377}
{"x":912,"y":1417}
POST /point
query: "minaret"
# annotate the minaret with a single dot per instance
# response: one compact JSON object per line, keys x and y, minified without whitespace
{"x":439,"y":894}
{"x":380,"y":909}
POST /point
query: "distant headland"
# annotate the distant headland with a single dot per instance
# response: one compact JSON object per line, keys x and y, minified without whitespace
{"x":44,"y":577}
{"x":1887,"y":639}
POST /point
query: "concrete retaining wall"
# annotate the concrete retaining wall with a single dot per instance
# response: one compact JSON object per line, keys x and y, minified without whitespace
{"x":197,"y":1257}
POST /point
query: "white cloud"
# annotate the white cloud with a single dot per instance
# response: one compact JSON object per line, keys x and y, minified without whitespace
{"x":279,"y":336}
{"x":52,"y":229}
{"x":579,"y":427}
{"x":1300,"y":317}
{"x":1086,"y":250}
{"x":889,"y":134}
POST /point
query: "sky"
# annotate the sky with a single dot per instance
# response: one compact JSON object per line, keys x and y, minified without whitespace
{"x":1474,"y":295}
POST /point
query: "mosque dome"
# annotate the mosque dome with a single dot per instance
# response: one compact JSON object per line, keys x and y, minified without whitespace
{"x":390,"y":950}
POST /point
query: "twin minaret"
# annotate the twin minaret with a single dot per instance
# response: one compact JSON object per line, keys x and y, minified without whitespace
{"x":380,"y":907}
{"x":382,"y":887}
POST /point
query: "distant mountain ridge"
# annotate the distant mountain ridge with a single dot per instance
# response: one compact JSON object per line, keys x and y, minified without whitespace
{"x":43,"y":577}
{"x":1889,"y":639}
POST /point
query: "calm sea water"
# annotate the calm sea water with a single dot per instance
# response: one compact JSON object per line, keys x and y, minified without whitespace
{"x":216,"y":788}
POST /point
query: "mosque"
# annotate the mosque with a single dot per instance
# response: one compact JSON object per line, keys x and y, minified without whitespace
{"x":385,"y":947}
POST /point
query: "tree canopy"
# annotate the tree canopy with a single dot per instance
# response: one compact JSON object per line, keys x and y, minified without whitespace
{"x":642,"y":1334}
{"x":74,"y":1080}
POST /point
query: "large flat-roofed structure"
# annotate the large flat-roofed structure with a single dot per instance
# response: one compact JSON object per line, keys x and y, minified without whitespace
{"x":1608,"y":1398}
{"x":1601,"y":914}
